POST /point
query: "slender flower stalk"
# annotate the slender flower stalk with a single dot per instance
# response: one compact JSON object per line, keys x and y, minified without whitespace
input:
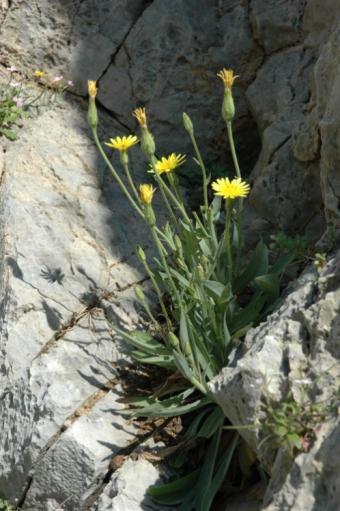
{"x":228,"y":212}
{"x":115,"y":174}
{"x":232,"y":149}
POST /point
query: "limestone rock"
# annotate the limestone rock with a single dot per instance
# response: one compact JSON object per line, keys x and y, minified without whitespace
{"x":67,"y":261}
{"x":296,"y":345}
{"x":127,"y":489}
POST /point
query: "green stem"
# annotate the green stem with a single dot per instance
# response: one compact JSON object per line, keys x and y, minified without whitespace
{"x":204,"y":171}
{"x":129,"y":178}
{"x":115,"y":174}
{"x":228,"y":210}
{"x":232,"y":149}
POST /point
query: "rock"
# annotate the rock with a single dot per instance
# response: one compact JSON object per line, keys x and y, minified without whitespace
{"x":297,"y":345}
{"x":313,"y":482}
{"x":67,"y":263}
{"x":277,"y":26}
{"x":127,"y":489}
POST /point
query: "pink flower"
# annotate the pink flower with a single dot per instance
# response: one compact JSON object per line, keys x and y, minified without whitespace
{"x":12,"y":69}
{"x":18,"y":101}
{"x":70,"y":83}
{"x":57,"y":78}
{"x":14,"y":84}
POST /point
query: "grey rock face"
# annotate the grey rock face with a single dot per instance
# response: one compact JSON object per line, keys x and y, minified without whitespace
{"x":66,"y":263}
{"x":298,"y":343}
{"x":67,"y":236}
{"x":165,"y":55}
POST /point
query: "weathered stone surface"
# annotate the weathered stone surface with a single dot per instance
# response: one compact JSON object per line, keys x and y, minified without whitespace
{"x":66,"y":262}
{"x":127,"y":489}
{"x":67,"y":237}
{"x":277,"y":25}
{"x":313,"y":482}
{"x":298,"y":343}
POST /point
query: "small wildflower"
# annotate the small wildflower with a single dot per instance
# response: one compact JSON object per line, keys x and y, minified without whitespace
{"x":70,"y":83}
{"x":14,"y":84}
{"x":92,"y":89}
{"x":18,"y":101}
{"x":146,"y":193}
{"x":12,"y":69}
{"x":230,"y":189}
{"x":140,"y":115}
{"x":227,"y":76}
{"x":56,"y":79}
{"x":170,"y":163}
{"x":122,"y":144}
{"x":39,"y":74}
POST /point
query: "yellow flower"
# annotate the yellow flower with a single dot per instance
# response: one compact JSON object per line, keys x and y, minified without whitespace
{"x":230,"y":189}
{"x":92,"y":88}
{"x":140,"y":115}
{"x":227,"y":76}
{"x":146,"y":193}
{"x":39,"y":74}
{"x":122,"y":144}
{"x":170,"y":163}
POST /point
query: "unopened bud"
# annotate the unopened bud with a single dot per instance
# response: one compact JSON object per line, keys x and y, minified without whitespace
{"x":178,"y":243}
{"x":150,"y":215}
{"x":92,"y":115}
{"x":140,"y":253}
{"x":174,"y":341}
{"x":139,"y":294}
{"x":228,"y":106}
{"x":147,"y":143}
{"x":188,"y":123}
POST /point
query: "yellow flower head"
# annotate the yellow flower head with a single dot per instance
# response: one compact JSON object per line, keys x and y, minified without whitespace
{"x":140,"y":115}
{"x":122,"y":144}
{"x":92,"y":88}
{"x":146,"y":193}
{"x":39,"y":74}
{"x":227,"y":76}
{"x":230,"y":189}
{"x":170,"y":163}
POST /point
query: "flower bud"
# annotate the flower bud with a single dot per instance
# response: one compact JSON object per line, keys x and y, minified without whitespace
{"x":228,"y":106}
{"x":140,"y":253}
{"x":92,"y":115}
{"x":174,"y":341}
{"x":150,"y":215}
{"x":139,"y":294}
{"x":188,"y":123}
{"x":147,"y":143}
{"x":146,"y":193}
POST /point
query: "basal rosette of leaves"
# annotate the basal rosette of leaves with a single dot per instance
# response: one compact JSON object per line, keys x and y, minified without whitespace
{"x":199,"y":267}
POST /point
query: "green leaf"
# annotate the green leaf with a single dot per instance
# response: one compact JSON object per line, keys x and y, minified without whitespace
{"x":206,"y":472}
{"x":249,"y":314}
{"x":269,"y":284}
{"x":217,"y":290}
{"x":183,"y":366}
{"x":166,"y":361}
{"x":183,"y":484}
{"x":143,"y":341}
{"x":212,"y":423}
{"x":216,"y":207}
{"x":258,"y":265}
{"x":170,"y":407}
{"x":219,"y":476}
{"x":282,"y":262}
{"x":10,"y":134}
